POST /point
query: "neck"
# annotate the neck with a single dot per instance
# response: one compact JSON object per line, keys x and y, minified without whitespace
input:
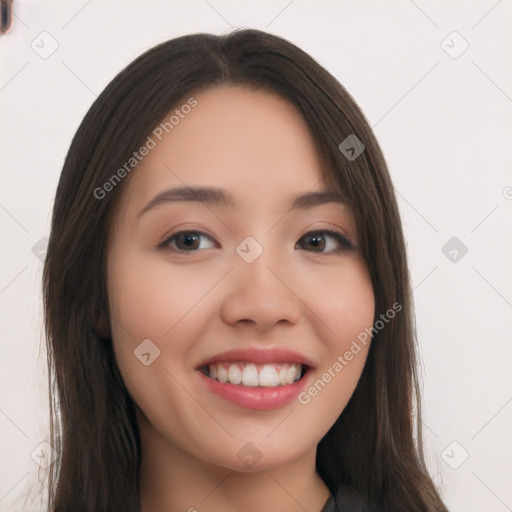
{"x":172,"y":480}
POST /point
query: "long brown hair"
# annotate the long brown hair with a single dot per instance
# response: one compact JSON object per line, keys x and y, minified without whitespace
{"x":93,"y":427}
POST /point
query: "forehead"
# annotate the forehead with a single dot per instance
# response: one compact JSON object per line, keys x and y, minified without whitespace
{"x":253,"y":143}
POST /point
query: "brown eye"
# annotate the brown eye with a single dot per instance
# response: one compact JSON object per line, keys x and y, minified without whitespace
{"x":185,"y":241}
{"x":319,"y":241}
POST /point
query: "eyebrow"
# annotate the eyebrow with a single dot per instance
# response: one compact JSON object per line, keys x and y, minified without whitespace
{"x":212,"y":195}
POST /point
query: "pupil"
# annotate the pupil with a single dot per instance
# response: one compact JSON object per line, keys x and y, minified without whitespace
{"x":189,"y":240}
{"x":318,"y":241}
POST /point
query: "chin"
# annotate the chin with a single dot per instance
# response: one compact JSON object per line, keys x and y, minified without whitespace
{"x":254,"y":457}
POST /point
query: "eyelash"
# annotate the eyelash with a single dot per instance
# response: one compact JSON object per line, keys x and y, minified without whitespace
{"x":344,"y":243}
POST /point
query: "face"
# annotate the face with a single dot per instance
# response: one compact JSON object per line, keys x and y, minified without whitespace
{"x":260,"y":289}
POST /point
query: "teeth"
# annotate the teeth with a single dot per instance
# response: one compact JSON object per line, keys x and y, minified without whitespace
{"x":250,"y":374}
{"x":291,"y":375}
{"x":234,"y":374}
{"x":222,"y":374}
{"x":268,"y":376}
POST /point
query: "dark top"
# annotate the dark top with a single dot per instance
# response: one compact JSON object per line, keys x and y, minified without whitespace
{"x":347,"y":500}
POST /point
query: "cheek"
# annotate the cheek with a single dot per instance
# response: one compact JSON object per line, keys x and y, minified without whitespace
{"x":169,"y":305}
{"x":150,"y":299}
{"x":154,"y":323}
{"x":344,"y":301}
{"x":145,"y":305}
{"x":345,"y":305}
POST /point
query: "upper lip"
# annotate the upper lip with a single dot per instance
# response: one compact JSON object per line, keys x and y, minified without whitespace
{"x":259,"y":355}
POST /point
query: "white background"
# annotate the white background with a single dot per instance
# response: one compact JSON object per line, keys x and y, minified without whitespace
{"x":444,"y":125}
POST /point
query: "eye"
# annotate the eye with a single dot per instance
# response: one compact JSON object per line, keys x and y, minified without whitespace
{"x":321,"y":240}
{"x":325,"y":240}
{"x":186,"y":241}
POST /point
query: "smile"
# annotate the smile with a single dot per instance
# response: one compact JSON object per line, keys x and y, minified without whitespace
{"x":254,"y":375}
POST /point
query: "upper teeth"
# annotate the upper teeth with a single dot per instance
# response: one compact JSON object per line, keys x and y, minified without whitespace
{"x":250,"y":374}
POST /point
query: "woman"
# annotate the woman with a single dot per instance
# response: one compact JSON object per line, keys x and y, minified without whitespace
{"x":227,"y":298}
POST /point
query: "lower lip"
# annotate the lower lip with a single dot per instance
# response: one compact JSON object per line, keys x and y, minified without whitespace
{"x":256,"y":398}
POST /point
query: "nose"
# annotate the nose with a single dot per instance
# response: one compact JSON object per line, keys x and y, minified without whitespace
{"x":260,"y":295}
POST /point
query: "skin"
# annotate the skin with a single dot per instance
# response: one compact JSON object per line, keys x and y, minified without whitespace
{"x":195,"y":304}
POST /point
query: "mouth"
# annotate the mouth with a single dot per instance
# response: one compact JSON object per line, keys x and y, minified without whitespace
{"x":242,"y":373}
{"x":255,"y":378}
